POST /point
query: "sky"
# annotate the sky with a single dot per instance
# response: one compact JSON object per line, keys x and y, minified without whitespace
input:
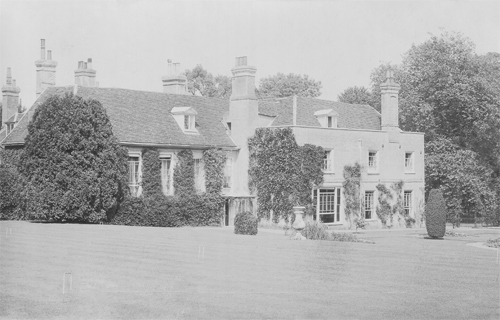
{"x":336,"y":42}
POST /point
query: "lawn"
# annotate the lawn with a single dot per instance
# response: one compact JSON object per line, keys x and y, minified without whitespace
{"x":120,"y":272}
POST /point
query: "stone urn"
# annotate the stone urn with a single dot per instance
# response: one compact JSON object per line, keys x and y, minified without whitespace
{"x":299,"y":223}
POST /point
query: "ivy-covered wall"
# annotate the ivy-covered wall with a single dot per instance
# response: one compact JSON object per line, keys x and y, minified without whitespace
{"x":282,"y":173}
{"x":186,"y":206}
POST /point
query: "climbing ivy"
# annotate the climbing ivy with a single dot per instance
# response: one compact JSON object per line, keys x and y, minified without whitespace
{"x":391,"y":204}
{"x":384,"y":208}
{"x":214,"y":161}
{"x":352,"y":191}
{"x":282,"y":173}
{"x":151,"y":172}
{"x":184,"y":174}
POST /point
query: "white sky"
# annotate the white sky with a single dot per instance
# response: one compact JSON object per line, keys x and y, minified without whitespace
{"x":336,"y":42}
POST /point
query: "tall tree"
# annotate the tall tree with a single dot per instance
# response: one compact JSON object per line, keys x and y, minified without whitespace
{"x":201,"y":82}
{"x":73,"y":165}
{"x":281,"y":85}
{"x":356,"y":95}
{"x":451,"y":94}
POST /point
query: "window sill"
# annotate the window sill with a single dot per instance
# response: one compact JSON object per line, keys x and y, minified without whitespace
{"x":191,"y":131}
{"x":373,"y":173}
{"x":409,"y":172}
{"x":329,"y":172}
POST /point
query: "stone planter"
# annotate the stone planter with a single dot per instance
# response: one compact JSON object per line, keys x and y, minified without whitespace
{"x":299,"y":223}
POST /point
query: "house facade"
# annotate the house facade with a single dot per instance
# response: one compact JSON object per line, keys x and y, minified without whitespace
{"x":174,"y":120}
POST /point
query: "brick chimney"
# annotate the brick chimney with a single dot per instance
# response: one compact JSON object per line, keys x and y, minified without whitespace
{"x":85,"y":75}
{"x":243,"y":83}
{"x":389,"y":95}
{"x":174,"y":82}
{"x":45,"y":70}
{"x":10,"y":98}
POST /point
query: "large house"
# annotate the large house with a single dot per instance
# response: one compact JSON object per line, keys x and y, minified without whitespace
{"x":175,"y":120}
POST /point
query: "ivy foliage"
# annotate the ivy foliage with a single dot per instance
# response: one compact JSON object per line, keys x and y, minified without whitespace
{"x":151,"y":172}
{"x":384,"y":207}
{"x":72,"y":162}
{"x":214,"y":161}
{"x":391,"y":204}
{"x":186,"y":207}
{"x":184,"y":174}
{"x":282,"y":173}
{"x":352,"y":191}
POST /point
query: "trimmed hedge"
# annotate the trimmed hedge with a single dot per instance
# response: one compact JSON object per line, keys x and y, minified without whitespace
{"x":160,"y":211}
{"x":245,"y":223}
{"x":435,"y":214}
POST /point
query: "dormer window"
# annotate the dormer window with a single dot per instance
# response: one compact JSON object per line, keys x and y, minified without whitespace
{"x":185,"y":118}
{"x":327,"y":118}
{"x":189,"y":123}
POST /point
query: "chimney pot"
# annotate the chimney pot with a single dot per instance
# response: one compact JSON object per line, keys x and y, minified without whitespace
{"x":84,"y":65}
{"x":42,"y":49}
{"x":9,"y":76}
{"x":14,"y":82}
{"x":49,"y":54}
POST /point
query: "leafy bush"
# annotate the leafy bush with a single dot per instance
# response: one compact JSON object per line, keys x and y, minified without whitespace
{"x":493,"y":243}
{"x":160,"y":211}
{"x":245,"y":223}
{"x":73,"y":165}
{"x":315,"y":230}
{"x":10,"y":191}
{"x":435,"y":214}
{"x":360,"y":223}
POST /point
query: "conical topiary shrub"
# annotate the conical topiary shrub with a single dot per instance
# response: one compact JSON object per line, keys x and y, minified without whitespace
{"x":435,"y":214}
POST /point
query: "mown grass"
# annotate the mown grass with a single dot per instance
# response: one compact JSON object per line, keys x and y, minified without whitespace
{"x":210,"y":273}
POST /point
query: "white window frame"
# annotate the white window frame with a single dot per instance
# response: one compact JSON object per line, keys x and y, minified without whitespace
{"x":167,"y":181}
{"x":369,"y":205}
{"x":228,"y":172}
{"x":328,"y":161}
{"x":408,"y":202}
{"x":135,"y":174}
{"x":409,"y":161}
{"x":373,"y":165}
{"x":327,"y":201}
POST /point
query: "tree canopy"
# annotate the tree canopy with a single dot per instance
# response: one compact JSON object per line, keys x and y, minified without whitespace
{"x":202,"y":82}
{"x":73,"y":165}
{"x":452,"y":95}
{"x":356,"y":95}
{"x":286,"y":85}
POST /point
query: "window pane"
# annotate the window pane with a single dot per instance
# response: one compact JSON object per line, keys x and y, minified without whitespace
{"x":368,"y":204}
{"x":166,"y":175}
{"x":186,"y":122}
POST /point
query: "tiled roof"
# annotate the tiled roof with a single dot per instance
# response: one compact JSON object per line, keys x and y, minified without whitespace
{"x":351,"y":116}
{"x":140,"y":117}
{"x":21,"y":129}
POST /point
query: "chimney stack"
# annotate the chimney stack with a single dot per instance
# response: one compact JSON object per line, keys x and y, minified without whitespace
{"x":174,"y":82}
{"x":243,"y":83}
{"x":85,"y":75}
{"x":10,"y":98}
{"x":45,"y":70}
{"x":390,"y":96}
